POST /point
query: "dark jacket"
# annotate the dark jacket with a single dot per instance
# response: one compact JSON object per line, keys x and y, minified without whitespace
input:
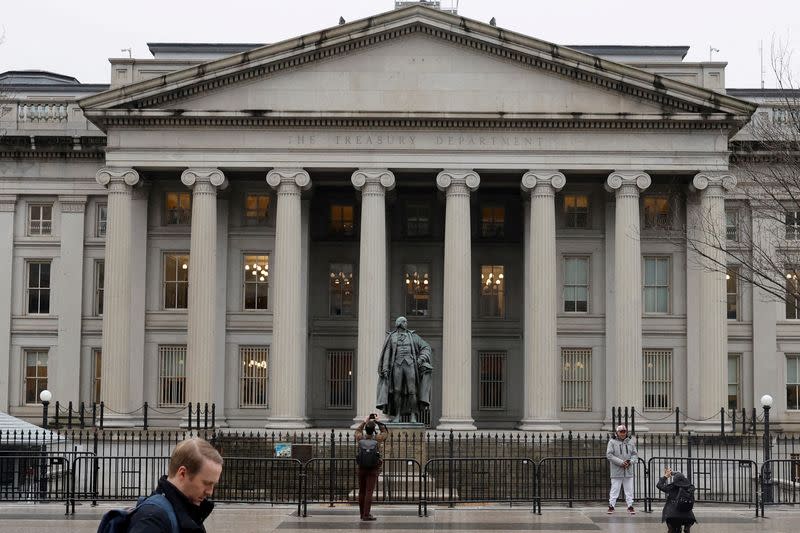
{"x":152,"y":519}
{"x":670,"y":511}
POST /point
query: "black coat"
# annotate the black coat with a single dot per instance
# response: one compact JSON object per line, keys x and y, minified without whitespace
{"x":152,"y":519}
{"x":670,"y":511}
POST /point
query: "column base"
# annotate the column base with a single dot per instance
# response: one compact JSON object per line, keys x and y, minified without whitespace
{"x":287,"y":422}
{"x":547,"y":426}
{"x":456,"y":424}
{"x":111,"y":420}
{"x":705,"y":426}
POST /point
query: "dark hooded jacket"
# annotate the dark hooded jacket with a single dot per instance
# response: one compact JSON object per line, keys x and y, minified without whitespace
{"x":153,"y":519}
{"x":671,"y":511}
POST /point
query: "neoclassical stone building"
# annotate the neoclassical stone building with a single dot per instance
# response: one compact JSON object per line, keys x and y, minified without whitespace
{"x":241,"y":224}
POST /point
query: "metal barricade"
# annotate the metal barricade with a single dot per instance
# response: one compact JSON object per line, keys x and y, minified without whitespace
{"x":274,"y":480}
{"x":36,"y":476}
{"x":780,"y":482}
{"x":116,"y":478}
{"x":574,"y":479}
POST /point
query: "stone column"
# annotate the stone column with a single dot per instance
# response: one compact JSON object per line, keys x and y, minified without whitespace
{"x":203,"y":328}
{"x":66,"y":365}
{"x":628,"y":283}
{"x":458,"y":287}
{"x":287,"y":394}
{"x":713,"y":355}
{"x":8,"y":203}
{"x":373,"y":315}
{"x":542,"y":378}
{"x":115,"y":382}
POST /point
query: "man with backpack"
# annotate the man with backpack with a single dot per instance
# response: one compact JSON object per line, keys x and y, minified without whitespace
{"x":677,"y":510}
{"x":369,"y":434}
{"x":180,"y":502}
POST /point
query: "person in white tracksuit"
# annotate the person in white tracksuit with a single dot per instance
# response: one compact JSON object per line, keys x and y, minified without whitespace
{"x":621,"y":454}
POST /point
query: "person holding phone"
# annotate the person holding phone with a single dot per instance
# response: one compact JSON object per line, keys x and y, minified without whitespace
{"x":677,"y":511}
{"x":369,"y":434}
{"x":621,"y":454}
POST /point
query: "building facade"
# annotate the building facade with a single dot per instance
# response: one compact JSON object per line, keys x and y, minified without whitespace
{"x":242,"y":224}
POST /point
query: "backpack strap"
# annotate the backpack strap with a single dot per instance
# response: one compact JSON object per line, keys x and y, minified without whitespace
{"x":161,"y":501}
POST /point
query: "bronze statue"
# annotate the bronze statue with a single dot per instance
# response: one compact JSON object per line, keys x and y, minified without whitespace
{"x":405,"y":372}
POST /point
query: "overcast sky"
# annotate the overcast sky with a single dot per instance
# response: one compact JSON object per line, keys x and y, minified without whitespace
{"x":77,"y":37}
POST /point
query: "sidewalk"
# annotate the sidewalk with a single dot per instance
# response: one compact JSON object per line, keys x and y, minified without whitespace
{"x":242,"y":518}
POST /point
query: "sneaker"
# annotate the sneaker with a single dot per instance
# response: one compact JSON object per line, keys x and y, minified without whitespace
{"x":610,"y":510}
{"x":631,"y":510}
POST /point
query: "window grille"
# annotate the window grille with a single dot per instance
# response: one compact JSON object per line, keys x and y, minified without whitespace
{"x":35,"y":374}
{"x":178,"y":208}
{"x":576,"y":379}
{"x":734,"y":381}
{"x":256,"y":282}
{"x":256,"y":209}
{"x":657,"y":213}
{"x":102,"y":220}
{"x":792,"y":294}
{"x":172,"y":375}
{"x":493,"y":221}
{"x":340,"y":379}
{"x":732,"y":226}
{"x":38,"y":287}
{"x":342,"y":221}
{"x":576,"y":211}
{"x":40,"y":219}
{"x":492,"y":380}
{"x":493,"y":285}
{"x":793,"y":225}
{"x":576,"y":284}
{"x":656,"y":284}
{"x":97,"y":374}
{"x":732,"y":284}
{"x":99,"y":286}
{"x":418,"y":289}
{"x":176,"y":281}
{"x":657,"y":366}
{"x":793,"y":381}
{"x":340,"y":289}
{"x":254,"y":376}
{"x":418,"y":220}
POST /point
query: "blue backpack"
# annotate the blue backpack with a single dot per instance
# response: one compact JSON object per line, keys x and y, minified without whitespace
{"x":119,"y":520}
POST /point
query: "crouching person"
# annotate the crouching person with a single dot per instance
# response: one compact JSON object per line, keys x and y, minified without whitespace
{"x":678,"y":509}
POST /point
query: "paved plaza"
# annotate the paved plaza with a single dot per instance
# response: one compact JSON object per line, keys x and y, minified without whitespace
{"x":263,"y":519}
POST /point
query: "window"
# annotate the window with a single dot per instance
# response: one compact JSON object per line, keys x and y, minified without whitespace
{"x":418,"y":289}
{"x":657,"y":212}
{"x":418,"y":220}
{"x":342,"y":221}
{"x":97,"y":374}
{"x":576,"y":211}
{"x":793,"y":225}
{"x":38,"y":287}
{"x":178,"y":208}
{"x":256,"y":209}
{"x":493,"y":285}
{"x":732,"y":284}
{"x":256,"y":282}
{"x":340,"y":379}
{"x":176,"y":281}
{"x":492,"y":380}
{"x":656,"y":284}
{"x":40,"y":219}
{"x":340,"y":289}
{"x":792,"y":295}
{"x":493,"y":222}
{"x":793,"y":381}
{"x":576,"y":284}
{"x":102,"y":220}
{"x":734,"y":381}
{"x":35,"y":374}
{"x":254,"y":376}
{"x":99,"y":284}
{"x":657,"y":366}
{"x":576,"y":379}
{"x":732,"y":225}
{"x":172,"y":375}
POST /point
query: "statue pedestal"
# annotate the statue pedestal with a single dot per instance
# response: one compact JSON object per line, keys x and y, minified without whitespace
{"x":406,"y":440}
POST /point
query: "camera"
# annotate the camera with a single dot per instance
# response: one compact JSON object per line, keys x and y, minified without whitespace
{"x":373,"y":416}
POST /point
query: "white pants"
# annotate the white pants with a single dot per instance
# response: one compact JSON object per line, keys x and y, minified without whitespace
{"x":627,"y":484}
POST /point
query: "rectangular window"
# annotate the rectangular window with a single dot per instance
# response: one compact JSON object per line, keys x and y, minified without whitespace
{"x":340,"y":379}
{"x":656,"y":284}
{"x":40,"y":219}
{"x":576,"y":379}
{"x":97,"y":374}
{"x":734,"y":381}
{"x":576,"y":211}
{"x":172,"y":375}
{"x":176,"y":281}
{"x":576,"y":284}
{"x":256,"y":209}
{"x":657,"y":369}
{"x":99,"y":286}
{"x":793,"y":225}
{"x":732,"y":225}
{"x":35,"y":374}
{"x":256,"y":282}
{"x":657,"y":212}
{"x":493,"y":285}
{"x":493,"y":222}
{"x":792,"y":294}
{"x":178,"y":208}
{"x":793,"y":381}
{"x":38,"y":287}
{"x":732,"y":284}
{"x":342,"y":221}
{"x":418,"y":220}
{"x":340,"y":289}
{"x":102,"y":220}
{"x":418,"y":289}
{"x":492,"y":380}
{"x":254,"y":376}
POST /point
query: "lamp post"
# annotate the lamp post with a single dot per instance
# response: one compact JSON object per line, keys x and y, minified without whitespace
{"x":45,"y":396}
{"x":766,"y":481}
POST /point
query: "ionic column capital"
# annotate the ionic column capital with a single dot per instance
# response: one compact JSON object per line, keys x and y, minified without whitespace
{"x":8,"y":203}
{"x":289,"y":178}
{"x":714,"y":182}
{"x":621,"y":179}
{"x":550,"y":181}
{"x":107,"y":175}
{"x":196,"y":178}
{"x":381,"y":177}
{"x":72,"y":204}
{"x":458,"y":180}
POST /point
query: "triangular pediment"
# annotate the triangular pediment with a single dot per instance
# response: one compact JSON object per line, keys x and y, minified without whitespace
{"x":414,"y":62}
